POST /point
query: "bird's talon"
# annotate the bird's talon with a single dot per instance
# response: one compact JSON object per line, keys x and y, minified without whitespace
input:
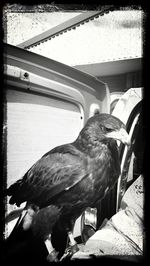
{"x":66,"y":255}
{"x":69,"y":252}
{"x":52,"y":256}
{"x":74,"y":248}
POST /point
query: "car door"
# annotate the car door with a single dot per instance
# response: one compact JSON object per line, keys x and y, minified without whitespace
{"x":46,"y":104}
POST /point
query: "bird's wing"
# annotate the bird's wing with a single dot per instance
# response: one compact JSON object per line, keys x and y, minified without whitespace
{"x":58,"y":170}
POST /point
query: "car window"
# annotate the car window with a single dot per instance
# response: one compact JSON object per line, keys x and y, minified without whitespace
{"x":35,"y":125}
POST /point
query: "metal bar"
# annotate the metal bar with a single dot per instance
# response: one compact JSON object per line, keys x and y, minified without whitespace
{"x":61,"y":28}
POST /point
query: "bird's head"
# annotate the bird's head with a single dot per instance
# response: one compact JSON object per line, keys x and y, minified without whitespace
{"x":105,"y":126}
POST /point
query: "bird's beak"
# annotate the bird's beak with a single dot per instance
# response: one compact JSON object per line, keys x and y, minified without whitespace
{"x":120,"y":135}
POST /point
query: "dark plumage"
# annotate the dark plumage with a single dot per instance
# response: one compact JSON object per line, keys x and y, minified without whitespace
{"x":73,"y":176}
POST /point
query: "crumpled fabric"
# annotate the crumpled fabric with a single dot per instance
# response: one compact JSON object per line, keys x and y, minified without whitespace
{"x":123,"y":234}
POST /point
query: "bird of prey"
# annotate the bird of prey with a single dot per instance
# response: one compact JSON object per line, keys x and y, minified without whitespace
{"x":70,"y":178}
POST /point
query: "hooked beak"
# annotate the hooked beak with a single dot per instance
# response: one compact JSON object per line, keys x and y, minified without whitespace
{"x":120,"y":135}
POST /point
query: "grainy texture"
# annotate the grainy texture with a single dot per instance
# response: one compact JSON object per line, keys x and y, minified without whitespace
{"x":113,"y":36}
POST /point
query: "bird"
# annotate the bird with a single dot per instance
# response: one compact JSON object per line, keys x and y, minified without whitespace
{"x":68,"y":179}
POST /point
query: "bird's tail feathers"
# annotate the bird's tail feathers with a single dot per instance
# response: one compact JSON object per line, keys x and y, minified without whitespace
{"x":19,"y":224}
{"x":14,"y":193}
{"x":13,"y":215}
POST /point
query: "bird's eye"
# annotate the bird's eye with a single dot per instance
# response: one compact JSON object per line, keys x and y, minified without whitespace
{"x":108,"y":129}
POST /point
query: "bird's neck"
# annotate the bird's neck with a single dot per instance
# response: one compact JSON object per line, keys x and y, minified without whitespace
{"x":89,"y":144}
{"x":94,"y":143}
